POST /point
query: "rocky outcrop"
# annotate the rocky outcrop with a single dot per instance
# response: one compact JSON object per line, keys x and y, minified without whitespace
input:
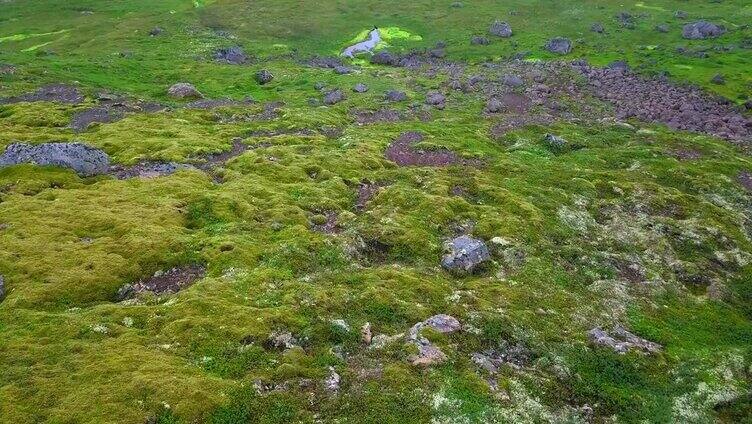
{"x":264,"y":77}
{"x":85,"y":160}
{"x":465,"y":254}
{"x":701,"y":30}
{"x":428,"y":354}
{"x":559,"y":45}
{"x":184,"y":90}
{"x":621,"y":341}
{"x":501,"y":29}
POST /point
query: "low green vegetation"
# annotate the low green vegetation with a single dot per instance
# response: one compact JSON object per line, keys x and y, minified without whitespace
{"x":617,"y":227}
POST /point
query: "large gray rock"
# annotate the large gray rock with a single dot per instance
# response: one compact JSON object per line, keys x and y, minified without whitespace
{"x":436,"y":99}
{"x":701,"y":30}
{"x":501,"y":29}
{"x":232,"y":55}
{"x":395,"y":96}
{"x":621,"y":341}
{"x":465,"y":254}
{"x":333,"y":97}
{"x":263,"y":77}
{"x":559,"y":45}
{"x":85,"y":160}
{"x":184,"y":90}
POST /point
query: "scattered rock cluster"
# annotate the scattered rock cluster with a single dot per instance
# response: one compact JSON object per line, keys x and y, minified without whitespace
{"x":656,"y":100}
{"x":170,"y":281}
{"x":429,"y":354}
{"x":622,"y":341}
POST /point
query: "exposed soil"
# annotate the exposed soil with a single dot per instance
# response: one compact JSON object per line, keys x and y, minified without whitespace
{"x":403,"y":153}
{"x":170,"y":281}
{"x":329,"y":226}
{"x":366,"y":191}
{"x":516,"y":103}
{"x":111,"y":111}
{"x":146,"y":169}
{"x":510,"y":123}
{"x":60,"y":93}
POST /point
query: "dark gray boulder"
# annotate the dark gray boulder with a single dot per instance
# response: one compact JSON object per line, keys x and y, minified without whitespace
{"x":395,"y":96}
{"x":554,"y":141}
{"x":479,"y":41}
{"x":383,"y":58}
{"x":718,"y":79}
{"x":702,"y":29}
{"x":464,"y":254}
{"x":264,"y":77}
{"x":664,"y":28}
{"x":184,"y":90}
{"x":360,"y":88}
{"x":2,"y":288}
{"x":513,"y":80}
{"x":85,"y":160}
{"x":232,"y":55}
{"x":156,"y":31}
{"x":618,"y":65}
{"x":597,"y":27}
{"x":333,"y":97}
{"x":559,"y":45}
{"x":494,"y":105}
{"x":436,"y":99}
{"x":342,"y":70}
{"x":501,"y":29}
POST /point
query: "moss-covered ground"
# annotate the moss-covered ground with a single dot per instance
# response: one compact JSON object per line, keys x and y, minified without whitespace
{"x":617,"y":231}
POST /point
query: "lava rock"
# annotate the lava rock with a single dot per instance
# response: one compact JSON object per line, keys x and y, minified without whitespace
{"x":360,"y":88}
{"x":479,"y":41}
{"x":184,"y":90}
{"x":156,"y":31}
{"x":342,"y":70}
{"x":702,"y":29}
{"x":395,"y":96}
{"x":383,"y":58}
{"x":680,"y":14}
{"x":559,"y":45}
{"x":443,"y":323}
{"x":85,"y":160}
{"x":664,"y":28}
{"x":513,"y":80}
{"x":333,"y":97}
{"x":434,"y":98}
{"x":232,"y":55}
{"x":618,"y":65}
{"x":465,"y":254}
{"x":718,"y":79}
{"x":501,"y":29}
{"x":621,"y":341}
{"x":494,"y":105}
{"x":555,"y":141}
{"x":597,"y":27}
{"x":264,"y":77}
{"x":2,"y":288}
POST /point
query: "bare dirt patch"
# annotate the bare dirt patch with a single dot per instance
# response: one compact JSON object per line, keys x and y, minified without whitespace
{"x":60,"y":93}
{"x":170,"y":281}
{"x":403,"y":152}
{"x":364,"y":117}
